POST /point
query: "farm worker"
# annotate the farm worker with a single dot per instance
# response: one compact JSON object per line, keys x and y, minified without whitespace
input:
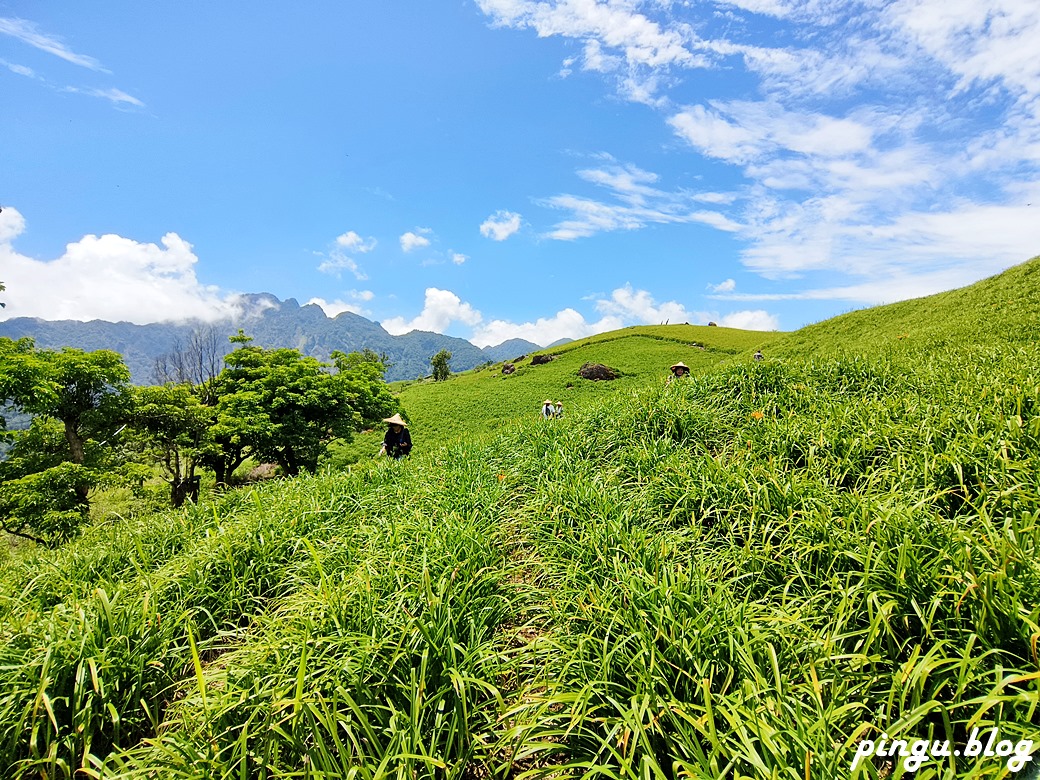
{"x":397,"y":442}
{"x":759,"y":356}
{"x":548,"y":410}
{"x":679,"y":370}
{"x":559,"y":408}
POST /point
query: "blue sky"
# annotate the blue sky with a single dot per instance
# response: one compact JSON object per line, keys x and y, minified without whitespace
{"x":494,"y":169}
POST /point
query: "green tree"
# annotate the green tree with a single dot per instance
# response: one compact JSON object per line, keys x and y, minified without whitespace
{"x":286,"y":408}
{"x":88,"y":392}
{"x":441,"y":371}
{"x":173,"y":430}
{"x":84,"y":397}
{"x":362,"y":373}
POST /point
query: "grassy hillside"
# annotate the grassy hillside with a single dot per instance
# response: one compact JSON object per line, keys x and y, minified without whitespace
{"x":999,"y":310}
{"x":743,"y":575}
{"x":1002,"y":310}
{"x":485,"y":401}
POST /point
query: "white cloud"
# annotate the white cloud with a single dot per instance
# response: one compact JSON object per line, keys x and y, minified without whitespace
{"x":500,"y":225}
{"x":618,"y":40}
{"x":713,"y":135}
{"x":625,"y":306}
{"x":727,"y":286}
{"x":336,"y":261}
{"x":441,"y":308}
{"x":12,"y":225}
{"x":338,"y":306}
{"x":108,"y":277}
{"x":744,"y":131}
{"x":979,"y":42}
{"x":352,"y":242}
{"x":595,"y":59}
{"x":458,"y":258}
{"x":890,"y":138}
{"x":764,"y":7}
{"x":21,"y":70}
{"x":411,"y":241}
{"x":639,"y":306}
{"x":567,"y":323}
{"x":757,"y":319}
{"x":26,"y":32}
{"x":898,"y":287}
{"x":116,"y":96}
{"x":637,"y":203}
{"x":615,"y":25}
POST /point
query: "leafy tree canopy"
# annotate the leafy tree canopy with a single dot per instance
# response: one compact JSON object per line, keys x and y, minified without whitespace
{"x":441,"y":370}
{"x":362,"y":374}
{"x":172,"y":429}
{"x":286,"y":407}
{"x":75,"y":396}
{"x":89,"y":392}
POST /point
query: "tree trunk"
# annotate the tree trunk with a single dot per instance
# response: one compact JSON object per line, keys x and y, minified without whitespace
{"x":75,"y":442}
{"x":178,"y":491}
{"x":76,"y":449}
{"x":182,"y":490}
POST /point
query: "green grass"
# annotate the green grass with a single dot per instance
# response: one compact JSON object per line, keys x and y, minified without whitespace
{"x":996,"y":311}
{"x":476,"y":403}
{"x":740,"y":575}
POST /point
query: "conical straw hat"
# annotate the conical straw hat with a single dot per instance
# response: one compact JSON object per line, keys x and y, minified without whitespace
{"x":396,"y":420}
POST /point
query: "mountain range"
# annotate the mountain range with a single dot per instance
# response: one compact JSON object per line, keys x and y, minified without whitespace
{"x":271,"y":323}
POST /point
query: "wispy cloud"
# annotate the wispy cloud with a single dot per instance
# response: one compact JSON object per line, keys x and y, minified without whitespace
{"x":116,"y":96}
{"x":980,"y":43}
{"x":21,"y":70}
{"x":336,"y":260}
{"x":500,"y":225}
{"x":27,"y":32}
{"x":633,"y":202}
{"x":727,"y":286}
{"x":894,"y":144}
{"x":416,"y":239}
{"x":637,"y":51}
{"x":352,"y":242}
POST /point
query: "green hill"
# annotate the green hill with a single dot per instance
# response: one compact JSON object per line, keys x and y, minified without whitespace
{"x":1000,"y":310}
{"x":770,"y":570}
{"x":486,"y":400}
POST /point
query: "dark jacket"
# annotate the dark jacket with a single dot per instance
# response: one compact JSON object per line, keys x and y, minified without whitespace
{"x":397,"y":444}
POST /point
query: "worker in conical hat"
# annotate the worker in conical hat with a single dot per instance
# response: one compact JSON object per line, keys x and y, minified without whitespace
{"x":548,"y":410}
{"x":679,"y":370}
{"x":397,"y":442}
